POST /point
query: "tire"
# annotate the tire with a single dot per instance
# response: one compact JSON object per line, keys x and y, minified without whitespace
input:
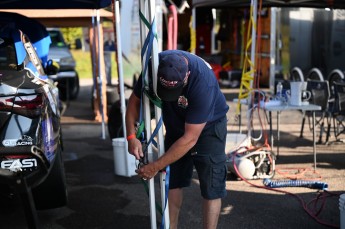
{"x":73,"y":88}
{"x":115,"y":126}
{"x":52,"y":192}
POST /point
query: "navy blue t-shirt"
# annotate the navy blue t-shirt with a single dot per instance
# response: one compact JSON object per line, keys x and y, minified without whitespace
{"x":201,"y":101}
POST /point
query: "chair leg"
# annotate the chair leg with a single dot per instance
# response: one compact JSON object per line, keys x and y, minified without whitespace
{"x":329,"y":123}
{"x":335,"y":126}
{"x":341,"y":128}
{"x":321,"y":132}
{"x":302,"y":126}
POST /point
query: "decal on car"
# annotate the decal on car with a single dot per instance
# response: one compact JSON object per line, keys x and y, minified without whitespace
{"x":16,"y":165}
{"x":24,"y":141}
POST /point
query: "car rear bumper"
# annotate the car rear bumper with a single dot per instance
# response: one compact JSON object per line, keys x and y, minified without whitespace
{"x":31,"y":177}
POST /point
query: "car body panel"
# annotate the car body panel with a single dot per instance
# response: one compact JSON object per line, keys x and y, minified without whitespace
{"x":30,"y":118}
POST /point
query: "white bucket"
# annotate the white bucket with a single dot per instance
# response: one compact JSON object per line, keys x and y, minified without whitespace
{"x":124,"y":163}
{"x":342,"y":211}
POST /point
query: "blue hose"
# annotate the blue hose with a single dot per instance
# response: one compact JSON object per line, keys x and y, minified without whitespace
{"x":295,"y":183}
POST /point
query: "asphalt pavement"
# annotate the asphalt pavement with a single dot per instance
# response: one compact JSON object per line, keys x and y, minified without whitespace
{"x":98,"y":198}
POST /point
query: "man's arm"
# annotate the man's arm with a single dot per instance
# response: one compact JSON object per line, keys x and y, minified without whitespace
{"x":132,"y":116}
{"x":175,"y":152}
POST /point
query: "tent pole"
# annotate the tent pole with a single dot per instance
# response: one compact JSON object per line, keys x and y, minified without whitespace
{"x":100,"y":75}
{"x":273,"y":46}
{"x":143,"y":7}
{"x":120,"y":71}
{"x":158,"y":115}
{"x":252,"y":66}
{"x":93,"y":54}
{"x":213,"y":33}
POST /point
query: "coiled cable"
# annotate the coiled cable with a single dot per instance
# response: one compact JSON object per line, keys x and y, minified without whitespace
{"x":295,"y":183}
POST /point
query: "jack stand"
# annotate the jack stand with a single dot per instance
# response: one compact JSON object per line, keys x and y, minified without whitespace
{"x":28,"y":204}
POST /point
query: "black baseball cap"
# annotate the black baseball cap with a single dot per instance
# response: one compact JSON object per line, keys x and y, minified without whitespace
{"x":171,"y":76}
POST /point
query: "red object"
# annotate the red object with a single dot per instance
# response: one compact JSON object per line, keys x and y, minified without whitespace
{"x":172,"y":28}
{"x":129,"y":137}
{"x":216,"y":69}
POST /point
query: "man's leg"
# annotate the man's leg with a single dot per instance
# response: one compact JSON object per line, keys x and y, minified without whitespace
{"x":210,"y":163}
{"x":175,"y":202}
{"x":211,"y":210}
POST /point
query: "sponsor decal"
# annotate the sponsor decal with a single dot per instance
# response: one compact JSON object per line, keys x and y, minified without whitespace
{"x":182,"y":102}
{"x":15,"y":165}
{"x":167,"y":83}
{"x":24,"y":141}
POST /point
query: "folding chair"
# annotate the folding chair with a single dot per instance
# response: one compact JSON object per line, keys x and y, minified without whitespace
{"x":338,"y":112}
{"x":296,"y":74}
{"x":315,"y":74}
{"x":335,"y":75}
{"x":320,"y":95}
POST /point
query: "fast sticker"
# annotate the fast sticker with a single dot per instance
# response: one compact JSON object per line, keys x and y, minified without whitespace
{"x":19,"y":164}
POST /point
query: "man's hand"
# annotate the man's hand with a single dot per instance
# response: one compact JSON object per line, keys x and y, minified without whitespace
{"x":147,"y":171}
{"x":135,"y":148}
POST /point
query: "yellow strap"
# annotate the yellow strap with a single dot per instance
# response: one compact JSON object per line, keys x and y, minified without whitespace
{"x":192,"y":37}
{"x":247,"y":75}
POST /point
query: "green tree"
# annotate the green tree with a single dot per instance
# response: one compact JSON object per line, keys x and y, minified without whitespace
{"x":70,"y":34}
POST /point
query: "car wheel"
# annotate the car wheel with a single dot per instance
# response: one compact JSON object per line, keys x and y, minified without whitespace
{"x":74,"y":87}
{"x":52,"y":193}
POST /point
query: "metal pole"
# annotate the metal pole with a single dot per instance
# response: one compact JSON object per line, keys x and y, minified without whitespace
{"x":120,"y":71}
{"x":158,"y":115}
{"x":252,"y":57}
{"x":100,"y":74}
{"x":93,"y":53}
{"x":147,"y":116}
{"x":213,"y":32}
{"x":273,"y":48}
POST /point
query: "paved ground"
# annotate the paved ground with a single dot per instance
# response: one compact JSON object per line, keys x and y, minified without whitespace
{"x":100,"y":199}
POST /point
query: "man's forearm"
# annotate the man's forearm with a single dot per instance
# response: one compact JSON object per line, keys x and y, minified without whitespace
{"x":132,"y":114}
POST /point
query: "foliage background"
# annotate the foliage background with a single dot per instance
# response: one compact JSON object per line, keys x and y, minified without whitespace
{"x":83,"y":58}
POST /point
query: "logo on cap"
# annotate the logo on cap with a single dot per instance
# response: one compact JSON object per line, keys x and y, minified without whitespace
{"x":167,"y":83}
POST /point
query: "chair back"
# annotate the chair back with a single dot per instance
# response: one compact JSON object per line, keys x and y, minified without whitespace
{"x":339,"y":90}
{"x":315,"y":74}
{"x":320,"y":93}
{"x":335,"y":76}
{"x":296,"y":74}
